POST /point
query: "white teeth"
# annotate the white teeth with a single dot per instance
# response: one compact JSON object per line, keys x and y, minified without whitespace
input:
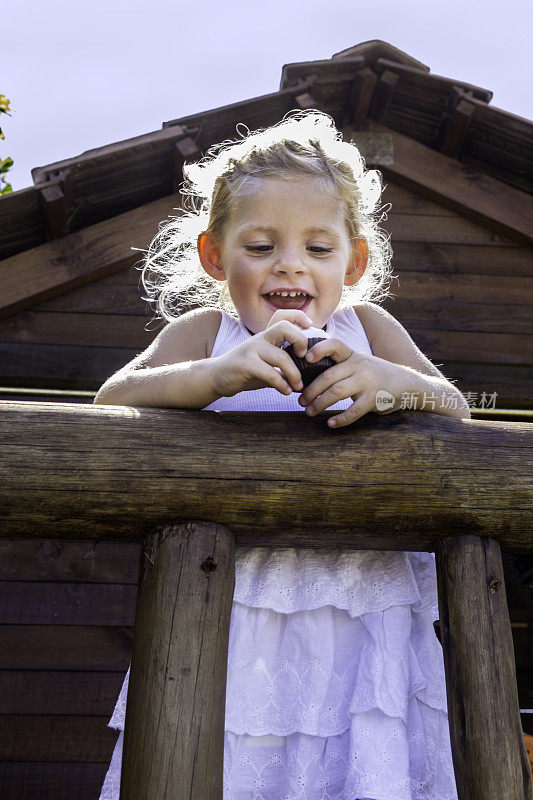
{"x":287,"y":294}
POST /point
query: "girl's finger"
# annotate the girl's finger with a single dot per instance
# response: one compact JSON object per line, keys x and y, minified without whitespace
{"x":291,"y":315}
{"x":276,"y":357}
{"x":285,"y":331}
{"x":349,"y":415}
{"x":341,"y":390}
{"x":339,"y":351}
{"x":330,"y":377}
{"x":269,"y":376}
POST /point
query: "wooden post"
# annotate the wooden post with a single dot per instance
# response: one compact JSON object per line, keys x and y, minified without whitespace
{"x":489,"y":753}
{"x":174,"y":729}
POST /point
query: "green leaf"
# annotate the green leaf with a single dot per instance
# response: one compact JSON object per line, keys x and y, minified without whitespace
{"x":7,"y":188}
{"x":5,"y":164}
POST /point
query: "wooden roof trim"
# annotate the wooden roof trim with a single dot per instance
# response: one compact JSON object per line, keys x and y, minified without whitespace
{"x":79,"y":258}
{"x":484,"y":95}
{"x":29,"y":216}
{"x":457,"y":186}
{"x":179,"y":128}
{"x":376,"y":48}
{"x":300,"y":70}
{"x":522,"y":122}
{"x":41,"y":175}
{"x":204,"y":117}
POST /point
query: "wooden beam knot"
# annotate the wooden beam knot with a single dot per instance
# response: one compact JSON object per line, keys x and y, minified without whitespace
{"x":209,"y":565}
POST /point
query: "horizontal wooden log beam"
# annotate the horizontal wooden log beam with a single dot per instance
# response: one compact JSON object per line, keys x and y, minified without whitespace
{"x":79,"y":258}
{"x":393,"y":482}
{"x":460,"y":187}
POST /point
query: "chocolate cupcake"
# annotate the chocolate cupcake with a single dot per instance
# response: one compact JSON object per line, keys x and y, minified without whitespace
{"x":311,"y":371}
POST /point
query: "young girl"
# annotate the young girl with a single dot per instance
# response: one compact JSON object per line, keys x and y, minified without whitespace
{"x":335,"y":687}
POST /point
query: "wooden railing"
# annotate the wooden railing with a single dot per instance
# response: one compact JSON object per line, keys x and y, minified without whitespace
{"x":193,"y":484}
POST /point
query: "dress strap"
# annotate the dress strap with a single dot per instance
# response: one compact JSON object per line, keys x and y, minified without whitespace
{"x":230,"y":333}
{"x":344,"y":324}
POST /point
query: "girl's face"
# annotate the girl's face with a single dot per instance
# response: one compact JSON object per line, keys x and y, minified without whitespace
{"x":285,"y":246}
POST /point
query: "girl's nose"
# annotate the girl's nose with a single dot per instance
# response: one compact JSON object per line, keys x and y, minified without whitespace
{"x":289,"y":263}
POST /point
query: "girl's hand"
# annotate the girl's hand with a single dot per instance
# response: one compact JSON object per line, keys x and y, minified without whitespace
{"x":355,"y":375}
{"x":260,"y":362}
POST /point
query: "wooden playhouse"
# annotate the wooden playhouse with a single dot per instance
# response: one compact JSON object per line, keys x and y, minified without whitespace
{"x":75,"y":539}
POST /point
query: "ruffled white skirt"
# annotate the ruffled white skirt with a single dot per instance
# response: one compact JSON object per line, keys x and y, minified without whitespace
{"x":336,"y":687}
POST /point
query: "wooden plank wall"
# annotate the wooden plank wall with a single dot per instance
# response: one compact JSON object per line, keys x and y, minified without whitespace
{"x":67,"y":614}
{"x":464,"y":293}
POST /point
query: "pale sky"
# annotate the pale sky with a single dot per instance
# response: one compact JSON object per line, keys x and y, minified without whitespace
{"x":85,"y":73}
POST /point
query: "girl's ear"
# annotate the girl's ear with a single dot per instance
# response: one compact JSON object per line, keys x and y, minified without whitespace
{"x":209,"y":252}
{"x":357,"y":264}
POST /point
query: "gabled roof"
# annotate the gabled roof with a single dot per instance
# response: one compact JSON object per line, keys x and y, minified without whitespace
{"x":374,"y":49}
{"x":372,"y":82}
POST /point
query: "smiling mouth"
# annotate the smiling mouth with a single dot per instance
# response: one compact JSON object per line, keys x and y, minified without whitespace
{"x":299,"y":300}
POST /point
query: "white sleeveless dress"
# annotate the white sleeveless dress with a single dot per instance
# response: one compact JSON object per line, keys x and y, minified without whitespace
{"x":336,"y":687}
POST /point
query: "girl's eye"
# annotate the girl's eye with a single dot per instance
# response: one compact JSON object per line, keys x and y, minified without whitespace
{"x":263,"y":248}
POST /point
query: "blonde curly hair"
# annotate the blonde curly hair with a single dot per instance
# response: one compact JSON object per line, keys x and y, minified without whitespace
{"x":304,"y":144}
